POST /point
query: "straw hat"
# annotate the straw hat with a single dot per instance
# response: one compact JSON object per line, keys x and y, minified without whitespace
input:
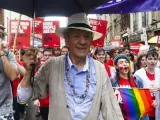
{"x":78,"y":21}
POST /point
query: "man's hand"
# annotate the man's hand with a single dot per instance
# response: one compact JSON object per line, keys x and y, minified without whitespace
{"x":36,"y":103}
{"x":29,"y":59}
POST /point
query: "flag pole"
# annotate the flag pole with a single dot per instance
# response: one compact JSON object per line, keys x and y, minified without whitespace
{"x":16,"y":34}
{"x":33,"y":28}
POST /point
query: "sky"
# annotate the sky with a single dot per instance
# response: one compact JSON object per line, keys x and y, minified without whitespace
{"x":63,"y":20}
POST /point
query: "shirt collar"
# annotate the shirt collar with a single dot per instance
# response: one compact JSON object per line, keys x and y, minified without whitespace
{"x":86,"y":66}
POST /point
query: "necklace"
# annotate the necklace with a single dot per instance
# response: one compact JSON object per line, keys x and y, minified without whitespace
{"x":71,"y":88}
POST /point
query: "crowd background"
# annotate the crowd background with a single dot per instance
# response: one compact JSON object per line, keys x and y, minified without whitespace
{"x":136,"y":62}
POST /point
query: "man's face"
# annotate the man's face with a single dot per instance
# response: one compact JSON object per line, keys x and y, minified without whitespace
{"x":57,"y":52}
{"x":64,"y":51}
{"x":47,"y":55}
{"x":152,"y":62}
{"x":79,"y":42}
{"x":127,"y":52}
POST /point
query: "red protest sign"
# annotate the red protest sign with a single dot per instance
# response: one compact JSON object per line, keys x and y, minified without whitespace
{"x":134,"y":46}
{"x":38,"y":26}
{"x":99,"y":26}
{"x":49,"y":38}
{"x":23,"y":36}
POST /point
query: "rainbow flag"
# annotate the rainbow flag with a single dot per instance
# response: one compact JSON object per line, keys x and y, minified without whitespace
{"x":137,"y":102}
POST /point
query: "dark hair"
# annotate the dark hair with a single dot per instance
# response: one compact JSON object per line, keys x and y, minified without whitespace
{"x":126,"y":48}
{"x":118,"y":76}
{"x":152,"y":52}
{"x":113,"y":51}
{"x":22,"y":52}
{"x":131,"y":56}
{"x":138,"y":63}
{"x":99,"y":50}
{"x":47,"y":49}
{"x":65,"y":47}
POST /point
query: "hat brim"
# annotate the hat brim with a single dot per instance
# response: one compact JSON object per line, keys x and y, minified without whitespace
{"x":60,"y":32}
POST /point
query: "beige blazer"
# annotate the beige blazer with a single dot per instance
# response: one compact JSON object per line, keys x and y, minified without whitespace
{"x":52,"y":74}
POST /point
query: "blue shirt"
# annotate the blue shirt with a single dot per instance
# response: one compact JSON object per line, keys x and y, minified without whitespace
{"x":78,"y":81}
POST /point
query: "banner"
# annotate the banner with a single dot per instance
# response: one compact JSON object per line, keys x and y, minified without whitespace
{"x":134,"y":47}
{"x":38,"y":26}
{"x":99,"y":26}
{"x":23,"y":36}
{"x":49,"y":38}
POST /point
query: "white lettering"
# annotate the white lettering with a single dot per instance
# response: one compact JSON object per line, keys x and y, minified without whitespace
{"x":48,"y":27}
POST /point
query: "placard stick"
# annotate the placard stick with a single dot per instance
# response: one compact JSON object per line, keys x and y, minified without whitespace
{"x":15,"y":38}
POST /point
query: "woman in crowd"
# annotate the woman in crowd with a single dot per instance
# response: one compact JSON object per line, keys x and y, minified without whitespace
{"x":107,"y":57}
{"x":141,"y":61}
{"x":100,"y":56}
{"x":149,"y":77}
{"x":122,"y":78}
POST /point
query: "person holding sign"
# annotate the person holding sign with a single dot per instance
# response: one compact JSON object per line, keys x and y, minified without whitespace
{"x":8,"y":71}
{"x":79,"y":87}
{"x":122,"y":79}
{"x":149,"y":77}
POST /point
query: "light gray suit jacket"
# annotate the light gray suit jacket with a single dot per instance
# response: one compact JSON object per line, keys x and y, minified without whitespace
{"x":52,"y":74}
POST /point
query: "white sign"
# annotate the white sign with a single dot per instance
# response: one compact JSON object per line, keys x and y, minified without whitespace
{"x":48,"y":27}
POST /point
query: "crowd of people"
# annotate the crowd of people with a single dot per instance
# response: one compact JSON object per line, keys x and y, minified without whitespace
{"x":73,"y":83}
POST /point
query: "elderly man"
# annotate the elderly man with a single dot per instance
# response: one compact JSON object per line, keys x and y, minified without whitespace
{"x":78,"y":85}
{"x":8,"y":71}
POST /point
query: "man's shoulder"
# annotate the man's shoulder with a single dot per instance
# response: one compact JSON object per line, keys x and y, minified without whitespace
{"x":98,"y":64}
{"x":55,"y":60}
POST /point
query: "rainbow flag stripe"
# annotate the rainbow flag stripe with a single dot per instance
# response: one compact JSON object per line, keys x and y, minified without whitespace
{"x":137,"y":102}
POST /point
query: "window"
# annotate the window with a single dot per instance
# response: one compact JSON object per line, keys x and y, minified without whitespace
{"x":144,"y":19}
{"x":135,"y":27}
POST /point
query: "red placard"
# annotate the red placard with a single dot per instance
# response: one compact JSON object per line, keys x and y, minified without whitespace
{"x":23,"y":36}
{"x":50,"y":39}
{"x":38,"y":26}
{"x":99,"y":26}
{"x":134,"y":47}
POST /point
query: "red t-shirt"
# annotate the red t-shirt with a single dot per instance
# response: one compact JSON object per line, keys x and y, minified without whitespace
{"x":152,"y":111}
{"x":126,"y":84}
{"x":16,"y":82}
{"x":44,"y":102}
{"x":110,"y":62}
{"x":108,"y":70}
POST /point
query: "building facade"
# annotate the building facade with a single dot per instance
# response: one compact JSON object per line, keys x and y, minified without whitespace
{"x":1,"y":16}
{"x":130,"y":26}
